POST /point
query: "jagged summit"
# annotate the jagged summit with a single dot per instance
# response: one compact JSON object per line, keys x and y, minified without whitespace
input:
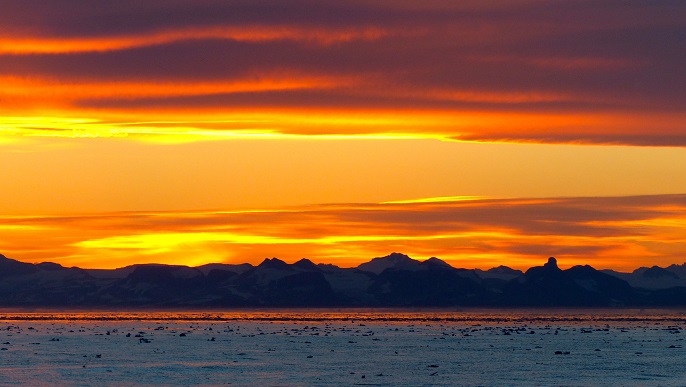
{"x":392,"y":261}
{"x":398,"y":261}
{"x":397,"y":258}
{"x":394,"y":280}
{"x":657,"y":272}
{"x":274,"y":263}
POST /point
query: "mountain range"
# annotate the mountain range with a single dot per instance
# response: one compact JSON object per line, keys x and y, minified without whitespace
{"x":395,"y":280}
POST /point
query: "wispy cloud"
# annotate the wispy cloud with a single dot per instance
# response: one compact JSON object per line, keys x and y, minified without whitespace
{"x":257,"y":33}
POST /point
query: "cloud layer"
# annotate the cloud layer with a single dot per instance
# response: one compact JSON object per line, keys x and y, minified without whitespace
{"x":525,"y":71}
{"x":615,"y":232}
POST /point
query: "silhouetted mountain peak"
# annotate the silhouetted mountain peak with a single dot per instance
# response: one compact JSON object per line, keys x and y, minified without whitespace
{"x":394,"y":261}
{"x":5,"y":260}
{"x":10,"y":267}
{"x":306,"y":264}
{"x":679,"y":270}
{"x":501,"y":272}
{"x":436,"y":263}
{"x":398,"y":258}
{"x":153,"y":272}
{"x":235,"y":268}
{"x":49,"y":266}
{"x":549,"y":268}
{"x":658,"y":272}
{"x":329,"y":267}
{"x":551,"y":264}
{"x":393,"y":280}
{"x":504,"y":270}
{"x":274,"y":263}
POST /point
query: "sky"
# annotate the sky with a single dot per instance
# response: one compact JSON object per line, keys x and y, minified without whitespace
{"x":484,"y":133}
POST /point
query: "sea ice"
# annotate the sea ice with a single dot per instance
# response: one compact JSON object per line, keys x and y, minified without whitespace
{"x":359,"y":350}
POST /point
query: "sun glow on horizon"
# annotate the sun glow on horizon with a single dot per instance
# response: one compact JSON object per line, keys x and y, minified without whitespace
{"x":496,"y":232}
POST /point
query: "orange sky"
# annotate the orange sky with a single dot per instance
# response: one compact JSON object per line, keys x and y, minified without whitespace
{"x":616,"y":232}
{"x":109,"y":110}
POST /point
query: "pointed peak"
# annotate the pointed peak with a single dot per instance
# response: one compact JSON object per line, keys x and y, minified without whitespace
{"x":552,"y":263}
{"x":273,"y":263}
{"x":268,"y":260}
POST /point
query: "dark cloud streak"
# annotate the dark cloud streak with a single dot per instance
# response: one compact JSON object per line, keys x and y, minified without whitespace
{"x":608,"y":56}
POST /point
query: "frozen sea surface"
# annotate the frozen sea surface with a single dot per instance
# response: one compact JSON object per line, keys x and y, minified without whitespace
{"x":383,"y":348}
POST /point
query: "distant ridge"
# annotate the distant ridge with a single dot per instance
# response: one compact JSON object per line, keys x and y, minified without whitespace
{"x":395,"y":280}
{"x":396,"y":261}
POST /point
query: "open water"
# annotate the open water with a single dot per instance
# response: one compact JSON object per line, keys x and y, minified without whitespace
{"x":346,"y":347}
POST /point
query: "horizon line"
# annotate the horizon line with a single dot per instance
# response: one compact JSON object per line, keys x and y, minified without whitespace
{"x":419,"y":260}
